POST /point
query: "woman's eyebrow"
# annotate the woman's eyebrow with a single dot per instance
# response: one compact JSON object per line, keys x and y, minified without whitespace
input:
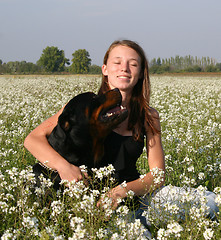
{"x":133,"y":59}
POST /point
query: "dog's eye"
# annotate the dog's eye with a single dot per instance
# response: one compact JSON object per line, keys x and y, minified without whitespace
{"x":65,"y":122}
{"x":66,"y":126}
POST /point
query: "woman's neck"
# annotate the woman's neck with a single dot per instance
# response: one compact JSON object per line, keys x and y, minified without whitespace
{"x":122,"y":128}
{"x":125,"y":99}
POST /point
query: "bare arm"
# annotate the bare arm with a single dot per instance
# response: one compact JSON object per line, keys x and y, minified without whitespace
{"x":155,"y":156}
{"x":37,"y":144}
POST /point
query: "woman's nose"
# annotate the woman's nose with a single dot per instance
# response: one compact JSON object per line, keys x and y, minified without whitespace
{"x":124,"y":67}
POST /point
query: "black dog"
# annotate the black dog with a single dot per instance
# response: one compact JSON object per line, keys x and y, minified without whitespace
{"x":81,"y":130}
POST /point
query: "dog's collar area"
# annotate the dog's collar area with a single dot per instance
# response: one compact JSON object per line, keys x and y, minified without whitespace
{"x":46,"y":167}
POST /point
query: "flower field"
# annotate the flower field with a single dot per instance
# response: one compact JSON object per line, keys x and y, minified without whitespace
{"x":190,"y":112}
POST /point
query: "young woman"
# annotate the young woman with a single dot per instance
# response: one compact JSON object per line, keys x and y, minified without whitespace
{"x":125,"y":67}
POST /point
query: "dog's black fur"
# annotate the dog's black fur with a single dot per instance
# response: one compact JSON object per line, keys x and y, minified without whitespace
{"x":81,"y":130}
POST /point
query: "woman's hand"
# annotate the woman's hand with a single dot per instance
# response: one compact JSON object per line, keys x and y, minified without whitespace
{"x":71,"y":172}
{"x":113,"y":197}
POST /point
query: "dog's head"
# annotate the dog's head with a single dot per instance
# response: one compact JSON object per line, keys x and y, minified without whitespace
{"x":88,"y":118}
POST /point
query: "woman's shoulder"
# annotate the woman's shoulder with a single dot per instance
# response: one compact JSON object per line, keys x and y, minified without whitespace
{"x":154,"y":121}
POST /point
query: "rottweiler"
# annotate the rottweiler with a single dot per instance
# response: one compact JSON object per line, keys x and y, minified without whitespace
{"x":81,"y":130}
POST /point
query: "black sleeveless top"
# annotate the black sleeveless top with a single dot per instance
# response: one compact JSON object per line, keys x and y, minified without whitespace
{"x":122,"y":152}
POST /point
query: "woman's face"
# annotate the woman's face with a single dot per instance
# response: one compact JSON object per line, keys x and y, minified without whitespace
{"x":122,"y":68}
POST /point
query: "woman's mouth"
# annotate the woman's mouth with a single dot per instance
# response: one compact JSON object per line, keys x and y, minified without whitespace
{"x":124,"y":77}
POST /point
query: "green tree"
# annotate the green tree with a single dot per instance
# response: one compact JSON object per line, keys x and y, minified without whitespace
{"x":53,"y":60}
{"x":12,"y":67}
{"x":153,"y":62}
{"x":94,"y":69}
{"x":2,"y":68}
{"x":218,"y":66}
{"x":158,"y":61}
{"x":81,"y":61}
{"x":194,"y":68}
{"x":21,"y":67}
{"x":211,"y":68}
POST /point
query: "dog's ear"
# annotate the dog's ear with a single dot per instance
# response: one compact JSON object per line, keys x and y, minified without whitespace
{"x":62,"y":127}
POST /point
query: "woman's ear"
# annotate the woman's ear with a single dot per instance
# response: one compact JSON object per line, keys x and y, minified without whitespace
{"x":104,"y":70}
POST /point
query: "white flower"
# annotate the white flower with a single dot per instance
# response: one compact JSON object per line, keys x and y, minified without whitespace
{"x":201,"y":175}
{"x":208,"y":234}
{"x":193,"y":181}
{"x":107,"y":205}
{"x":103,"y":171}
{"x":142,"y":177}
{"x":174,"y":229}
{"x":217,"y":190}
{"x":158,"y":175}
{"x":218,"y":199}
{"x":83,"y":168}
{"x":124,"y":184}
{"x":56,"y":207}
{"x":76,"y":221}
{"x":190,"y":169}
{"x":115,"y":236}
{"x":30,"y":222}
{"x":162,"y":234}
{"x":130,"y":194}
{"x":110,"y":169}
{"x":101,"y":234}
{"x":79,"y":233}
{"x":123,"y":210}
{"x":59,"y":238}
{"x":120,"y":200}
{"x":7,"y":235}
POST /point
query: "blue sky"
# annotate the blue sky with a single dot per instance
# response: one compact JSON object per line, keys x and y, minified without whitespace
{"x":164,"y":28}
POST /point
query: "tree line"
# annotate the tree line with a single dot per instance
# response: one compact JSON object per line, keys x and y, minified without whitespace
{"x":53,"y":60}
{"x":184,"y":64}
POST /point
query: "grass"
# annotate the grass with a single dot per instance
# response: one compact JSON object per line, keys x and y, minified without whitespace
{"x":189,"y":108}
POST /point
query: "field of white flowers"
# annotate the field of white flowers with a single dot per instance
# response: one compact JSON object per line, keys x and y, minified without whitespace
{"x":190,"y":112}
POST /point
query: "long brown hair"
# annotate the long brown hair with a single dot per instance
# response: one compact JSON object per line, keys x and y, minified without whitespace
{"x":140,"y":116}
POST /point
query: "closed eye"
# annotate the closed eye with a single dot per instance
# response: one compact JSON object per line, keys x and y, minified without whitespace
{"x":134,"y":63}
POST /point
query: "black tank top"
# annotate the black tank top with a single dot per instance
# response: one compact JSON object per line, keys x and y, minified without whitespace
{"x":122,"y":152}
